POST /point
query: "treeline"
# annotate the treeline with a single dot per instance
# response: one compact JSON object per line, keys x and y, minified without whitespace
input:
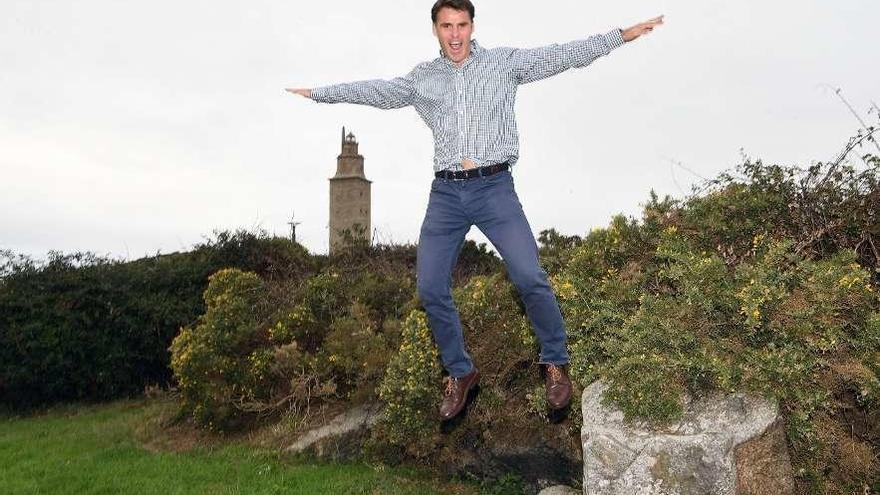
{"x":85,"y":327}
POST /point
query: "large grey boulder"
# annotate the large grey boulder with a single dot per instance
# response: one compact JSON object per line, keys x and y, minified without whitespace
{"x":342,"y":438}
{"x":724,"y":445}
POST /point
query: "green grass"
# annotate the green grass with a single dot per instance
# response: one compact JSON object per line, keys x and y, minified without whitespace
{"x":94,"y":450}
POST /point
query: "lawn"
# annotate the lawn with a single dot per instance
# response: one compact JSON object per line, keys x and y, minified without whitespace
{"x":96,"y":449}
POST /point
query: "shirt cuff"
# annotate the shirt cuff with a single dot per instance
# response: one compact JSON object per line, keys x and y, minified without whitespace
{"x":614,"y":38}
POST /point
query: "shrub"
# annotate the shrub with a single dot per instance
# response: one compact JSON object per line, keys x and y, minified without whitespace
{"x":324,"y":295}
{"x":556,"y":249}
{"x":386,"y":294}
{"x":822,"y":209}
{"x":222,"y":362}
{"x":270,"y":257}
{"x":297,"y":324}
{"x":410,"y":391}
{"x":753,"y":315}
{"x":497,"y":332}
{"x":356,"y":353}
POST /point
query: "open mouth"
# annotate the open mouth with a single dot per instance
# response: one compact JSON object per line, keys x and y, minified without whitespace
{"x":455,"y":45}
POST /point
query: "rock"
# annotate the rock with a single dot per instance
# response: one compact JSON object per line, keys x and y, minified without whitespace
{"x":559,"y":490}
{"x":342,"y":438}
{"x":761,"y":460}
{"x":723,"y":445}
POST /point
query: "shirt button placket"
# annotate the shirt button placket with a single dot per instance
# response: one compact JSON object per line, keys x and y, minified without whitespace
{"x":459,"y":84}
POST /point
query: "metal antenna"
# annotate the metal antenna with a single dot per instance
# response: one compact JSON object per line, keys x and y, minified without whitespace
{"x":293,"y":225}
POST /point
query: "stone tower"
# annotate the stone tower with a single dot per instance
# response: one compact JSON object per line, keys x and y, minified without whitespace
{"x":349,"y":195}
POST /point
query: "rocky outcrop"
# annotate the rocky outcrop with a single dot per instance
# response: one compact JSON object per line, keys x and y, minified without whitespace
{"x":342,"y":438}
{"x":723,"y":445}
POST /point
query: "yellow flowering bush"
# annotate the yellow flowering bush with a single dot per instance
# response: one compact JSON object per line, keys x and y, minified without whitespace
{"x":497,"y":331}
{"x":217,"y":362}
{"x":764,"y":284}
{"x":355,"y":352}
{"x":410,"y":390}
{"x":296,"y":324}
{"x":665,"y":312}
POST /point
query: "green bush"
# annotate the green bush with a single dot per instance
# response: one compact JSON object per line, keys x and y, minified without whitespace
{"x":83,"y":327}
{"x":410,"y":391}
{"x":325,"y":294}
{"x":356,"y":353}
{"x":385,"y":294}
{"x":823,"y":209}
{"x":222,"y":362}
{"x":664,"y":312}
{"x":556,"y":249}
{"x":297,"y":324}
{"x":509,"y":409}
{"x":497,"y":332}
{"x":327,"y":338}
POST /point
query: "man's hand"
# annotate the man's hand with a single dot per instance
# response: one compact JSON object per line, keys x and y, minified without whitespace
{"x":302,"y":92}
{"x":641,"y":28}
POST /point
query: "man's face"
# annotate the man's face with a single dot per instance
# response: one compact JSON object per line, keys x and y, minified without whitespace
{"x":453,"y":29}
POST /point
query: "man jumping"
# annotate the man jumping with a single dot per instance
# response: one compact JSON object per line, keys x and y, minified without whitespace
{"x":466,"y":97}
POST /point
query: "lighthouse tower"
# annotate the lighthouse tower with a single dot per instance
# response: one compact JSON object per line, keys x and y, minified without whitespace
{"x":349,"y":195}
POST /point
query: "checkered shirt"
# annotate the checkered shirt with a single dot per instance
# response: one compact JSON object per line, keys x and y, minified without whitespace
{"x":470,"y":108}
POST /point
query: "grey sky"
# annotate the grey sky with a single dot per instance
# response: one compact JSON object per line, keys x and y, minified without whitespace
{"x":128,"y":128}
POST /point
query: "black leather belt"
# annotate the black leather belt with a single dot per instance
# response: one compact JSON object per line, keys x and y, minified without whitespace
{"x":472,"y":172}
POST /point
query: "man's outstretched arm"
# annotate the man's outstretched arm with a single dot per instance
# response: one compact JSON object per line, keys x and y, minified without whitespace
{"x":379,"y":93}
{"x":538,"y":63}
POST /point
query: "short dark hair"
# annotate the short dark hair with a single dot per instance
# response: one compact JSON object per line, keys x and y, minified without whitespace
{"x":452,"y":4}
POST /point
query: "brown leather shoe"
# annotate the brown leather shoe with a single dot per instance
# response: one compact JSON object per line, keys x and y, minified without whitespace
{"x":455,"y":395}
{"x":558,"y":386}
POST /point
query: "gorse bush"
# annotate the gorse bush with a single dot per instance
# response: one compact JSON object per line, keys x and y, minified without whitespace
{"x":302,"y":342}
{"x":737,"y":290}
{"x":326,"y":295}
{"x":502,"y":345}
{"x":223,"y":361}
{"x":356,"y":352}
{"x":497,"y":331}
{"x":409,"y":390}
{"x":822,"y":209}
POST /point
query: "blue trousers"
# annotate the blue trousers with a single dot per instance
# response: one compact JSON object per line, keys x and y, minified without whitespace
{"x":490,"y":203}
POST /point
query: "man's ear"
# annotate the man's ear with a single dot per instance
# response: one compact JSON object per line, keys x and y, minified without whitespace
{"x":434,"y":28}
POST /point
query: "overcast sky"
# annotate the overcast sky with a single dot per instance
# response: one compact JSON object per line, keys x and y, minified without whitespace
{"x":129,"y":128}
